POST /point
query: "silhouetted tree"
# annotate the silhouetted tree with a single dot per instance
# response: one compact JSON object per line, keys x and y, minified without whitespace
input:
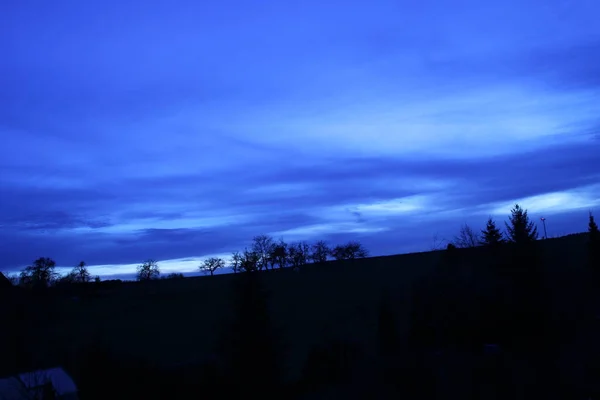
{"x":594,"y":249}
{"x":263,"y":245}
{"x":81,"y":273}
{"x":41,"y":273}
{"x":338,"y":252}
{"x":528,"y":309}
{"x":450,"y":259}
{"x":466,"y":237}
{"x":298,"y":254}
{"x":320,"y":252}
{"x":594,"y":234}
{"x":356,"y":250}
{"x":174,"y":275}
{"x":97,"y":279}
{"x":521,"y":229}
{"x":68,"y":279}
{"x":349,"y":251}
{"x":147,"y":271}
{"x":212,"y":264}
{"x":249,"y":262}
{"x":235,"y":262}
{"x":279,"y":254}
{"x":438,"y":243}
{"x":491,"y":235}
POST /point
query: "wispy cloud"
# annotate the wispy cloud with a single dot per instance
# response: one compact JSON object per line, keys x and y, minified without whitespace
{"x":583,"y":198}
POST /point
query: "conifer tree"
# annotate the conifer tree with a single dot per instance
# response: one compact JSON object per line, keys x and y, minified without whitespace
{"x":593,"y":230}
{"x":594,"y":246}
{"x":491,"y":235}
{"x":521,"y":229}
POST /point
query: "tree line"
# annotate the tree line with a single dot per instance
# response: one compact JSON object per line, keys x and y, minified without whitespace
{"x":265,"y":253}
{"x":519,"y":229}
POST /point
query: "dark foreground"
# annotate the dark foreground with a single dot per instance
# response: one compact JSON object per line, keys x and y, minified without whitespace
{"x":466,"y":324}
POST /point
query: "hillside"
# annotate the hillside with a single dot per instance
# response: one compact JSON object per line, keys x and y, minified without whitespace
{"x":179,"y":322}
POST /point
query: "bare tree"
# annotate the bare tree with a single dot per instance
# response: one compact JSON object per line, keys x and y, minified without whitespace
{"x":235,"y":262}
{"x":263,"y":245}
{"x":212,"y":264}
{"x":279,"y":254}
{"x":349,"y":251}
{"x":466,"y":237}
{"x":320,"y":252}
{"x":81,"y":273}
{"x":147,"y":271}
{"x":355,"y":249}
{"x":298,"y":254}
{"x":174,"y":275}
{"x":249,"y":261}
{"x":338,"y":252}
{"x":438,"y":243}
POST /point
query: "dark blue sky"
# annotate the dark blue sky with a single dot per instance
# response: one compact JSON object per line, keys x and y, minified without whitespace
{"x":175,"y":130}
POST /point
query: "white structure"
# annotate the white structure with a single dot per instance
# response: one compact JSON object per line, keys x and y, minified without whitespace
{"x":36,"y":385}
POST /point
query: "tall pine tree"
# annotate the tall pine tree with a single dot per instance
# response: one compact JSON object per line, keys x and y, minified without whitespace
{"x":491,"y":235}
{"x":521,"y":229}
{"x":594,"y":247}
{"x":529,"y":308}
{"x":593,"y":230}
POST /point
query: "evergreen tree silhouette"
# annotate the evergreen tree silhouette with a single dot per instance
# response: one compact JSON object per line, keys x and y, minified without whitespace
{"x":593,"y":230}
{"x":521,"y":229}
{"x":594,"y":250}
{"x":491,"y":235}
{"x":529,"y":313}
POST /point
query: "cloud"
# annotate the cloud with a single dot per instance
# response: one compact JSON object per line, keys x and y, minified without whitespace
{"x":318,"y":232}
{"x":488,"y":121}
{"x":167,"y":218}
{"x":583,"y":198}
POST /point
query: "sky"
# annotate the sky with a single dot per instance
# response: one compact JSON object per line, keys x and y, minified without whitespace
{"x":176,"y":130}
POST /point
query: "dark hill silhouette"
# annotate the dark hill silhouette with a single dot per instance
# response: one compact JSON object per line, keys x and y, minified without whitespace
{"x":445,"y":306}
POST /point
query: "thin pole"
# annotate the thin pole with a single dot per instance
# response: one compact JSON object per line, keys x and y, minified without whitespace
{"x":545,"y":233}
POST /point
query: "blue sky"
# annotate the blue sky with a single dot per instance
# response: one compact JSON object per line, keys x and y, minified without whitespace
{"x":178,"y":130}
